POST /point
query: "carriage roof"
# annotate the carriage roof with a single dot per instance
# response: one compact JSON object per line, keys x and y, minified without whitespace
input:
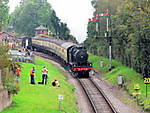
{"x":59,"y":42}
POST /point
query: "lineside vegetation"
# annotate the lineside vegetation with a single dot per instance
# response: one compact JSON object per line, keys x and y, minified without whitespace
{"x":43,"y":98}
{"x":130,"y":76}
{"x":130,"y":29}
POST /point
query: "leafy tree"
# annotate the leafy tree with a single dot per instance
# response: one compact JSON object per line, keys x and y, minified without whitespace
{"x":29,"y":16}
{"x":134,"y":17}
{"x":130,"y":25}
{"x":5,"y":65}
{"x":4,"y":56}
{"x":3,"y":13}
{"x":32,"y":14}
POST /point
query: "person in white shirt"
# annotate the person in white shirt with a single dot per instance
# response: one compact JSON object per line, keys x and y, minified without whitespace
{"x":44,"y":75}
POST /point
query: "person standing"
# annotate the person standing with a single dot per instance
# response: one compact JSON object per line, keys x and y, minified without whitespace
{"x":32,"y":75}
{"x":18,"y":73}
{"x":44,"y":75}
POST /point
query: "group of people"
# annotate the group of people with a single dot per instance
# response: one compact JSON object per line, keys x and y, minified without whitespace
{"x":32,"y":76}
{"x":44,"y":76}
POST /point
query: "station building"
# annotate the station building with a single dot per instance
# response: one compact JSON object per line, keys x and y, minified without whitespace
{"x":8,"y":38}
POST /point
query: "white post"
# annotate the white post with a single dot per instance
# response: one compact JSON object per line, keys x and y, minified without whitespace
{"x":0,"y":76}
{"x":96,"y":26}
{"x":107,"y":24}
{"x":60,"y":105}
{"x":27,"y":43}
{"x":60,"y":98}
{"x":105,"y":34}
{"x":101,"y":63}
{"x":110,"y":57}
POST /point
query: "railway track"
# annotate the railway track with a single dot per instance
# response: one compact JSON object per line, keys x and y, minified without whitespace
{"x":44,"y":56}
{"x":47,"y":56}
{"x":98,"y":100}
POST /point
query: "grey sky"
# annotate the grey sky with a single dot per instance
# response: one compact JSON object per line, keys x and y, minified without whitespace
{"x":73,"y":12}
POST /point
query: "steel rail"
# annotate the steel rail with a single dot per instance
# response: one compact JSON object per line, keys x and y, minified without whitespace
{"x":96,"y":99}
{"x":105,"y":97}
{"x":88,"y":95}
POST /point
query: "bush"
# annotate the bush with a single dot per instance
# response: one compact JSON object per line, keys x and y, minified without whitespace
{"x":14,"y":66}
{"x":147,"y":104}
{"x":11,"y":86}
{"x":4,"y":56}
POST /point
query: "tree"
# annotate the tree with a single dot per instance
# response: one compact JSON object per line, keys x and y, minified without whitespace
{"x":6,"y":65}
{"x":34,"y":13}
{"x":131,"y":41}
{"x":134,"y":16}
{"x":4,"y":56}
{"x":3,"y":13}
{"x":30,"y":15}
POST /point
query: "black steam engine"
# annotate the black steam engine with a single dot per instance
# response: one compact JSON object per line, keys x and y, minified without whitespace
{"x":79,"y":61}
{"x":74,"y":56}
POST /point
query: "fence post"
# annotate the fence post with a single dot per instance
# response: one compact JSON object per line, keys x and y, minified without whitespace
{"x":0,"y":76}
{"x":101,"y":63}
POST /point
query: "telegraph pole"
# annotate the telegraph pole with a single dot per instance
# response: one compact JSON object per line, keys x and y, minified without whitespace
{"x":109,"y":39}
{"x":107,"y":35}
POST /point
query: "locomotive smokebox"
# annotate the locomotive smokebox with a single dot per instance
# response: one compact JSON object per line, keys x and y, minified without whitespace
{"x":81,"y":56}
{"x":78,"y":54}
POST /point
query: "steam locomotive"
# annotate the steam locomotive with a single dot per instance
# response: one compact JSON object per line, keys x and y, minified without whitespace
{"x":70,"y":54}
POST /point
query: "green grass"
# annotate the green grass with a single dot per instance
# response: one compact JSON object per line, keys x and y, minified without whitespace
{"x":43,"y":98}
{"x":131,"y":78}
{"x":96,"y":63}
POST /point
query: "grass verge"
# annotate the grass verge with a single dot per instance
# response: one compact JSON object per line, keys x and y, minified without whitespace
{"x":43,"y":98}
{"x":131,"y":78}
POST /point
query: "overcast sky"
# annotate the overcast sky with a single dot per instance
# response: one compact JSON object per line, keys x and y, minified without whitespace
{"x":73,"y":12}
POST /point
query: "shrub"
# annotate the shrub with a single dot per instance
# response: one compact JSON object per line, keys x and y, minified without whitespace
{"x":147,"y":104}
{"x":4,"y":56}
{"x":14,"y":66}
{"x":11,"y":86}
